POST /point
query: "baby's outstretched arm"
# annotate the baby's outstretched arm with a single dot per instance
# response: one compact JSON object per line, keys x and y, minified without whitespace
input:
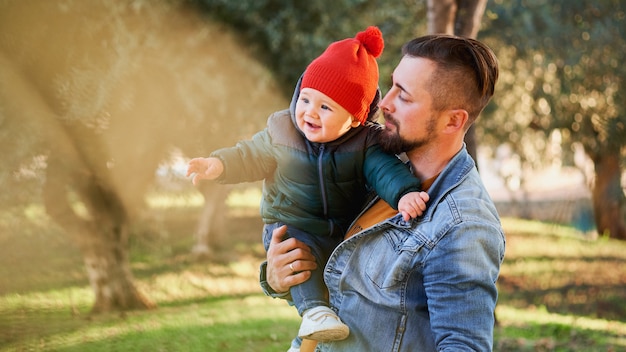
{"x":204,"y":168}
{"x":413,"y":204}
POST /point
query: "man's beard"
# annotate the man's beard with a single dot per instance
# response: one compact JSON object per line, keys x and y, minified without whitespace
{"x":392,"y":143}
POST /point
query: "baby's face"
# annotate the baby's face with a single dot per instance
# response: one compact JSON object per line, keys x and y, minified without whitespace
{"x":320,"y":118}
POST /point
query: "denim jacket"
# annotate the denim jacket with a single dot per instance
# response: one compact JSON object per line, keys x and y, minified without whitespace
{"x":424,"y":285}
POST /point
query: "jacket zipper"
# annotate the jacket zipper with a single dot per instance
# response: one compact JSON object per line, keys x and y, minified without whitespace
{"x":320,"y":175}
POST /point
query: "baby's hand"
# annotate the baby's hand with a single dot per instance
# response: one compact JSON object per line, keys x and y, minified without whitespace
{"x":204,"y":168}
{"x":413,"y":204}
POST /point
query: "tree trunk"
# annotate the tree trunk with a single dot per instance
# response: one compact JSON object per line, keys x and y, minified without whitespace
{"x":210,"y":227}
{"x":441,"y":16}
{"x":108,"y":269}
{"x":471,"y":144}
{"x":608,"y":196}
{"x":469,"y":16}
{"x":101,"y":237}
{"x":100,"y":233}
{"x":462,"y":18}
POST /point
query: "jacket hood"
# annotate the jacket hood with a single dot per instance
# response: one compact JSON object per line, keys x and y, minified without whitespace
{"x":371,"y":117}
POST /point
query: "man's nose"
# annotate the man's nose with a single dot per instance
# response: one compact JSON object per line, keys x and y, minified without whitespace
{"x":385,"y":102}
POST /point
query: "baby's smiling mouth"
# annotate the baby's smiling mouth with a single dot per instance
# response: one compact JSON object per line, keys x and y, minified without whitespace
{"x":311,"y":125}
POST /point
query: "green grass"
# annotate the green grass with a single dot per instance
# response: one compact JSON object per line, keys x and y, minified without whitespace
{"x":558,"y":292}
{"x":534,"y":329}
{"x":201,"y":307}
{"x":230,"y":323}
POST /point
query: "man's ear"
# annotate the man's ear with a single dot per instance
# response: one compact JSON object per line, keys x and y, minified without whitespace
{"x":456,"y":120}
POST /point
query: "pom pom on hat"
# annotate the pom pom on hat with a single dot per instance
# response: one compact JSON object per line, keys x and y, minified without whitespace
{"x":347,"y":72}
{"x":372,"y":40}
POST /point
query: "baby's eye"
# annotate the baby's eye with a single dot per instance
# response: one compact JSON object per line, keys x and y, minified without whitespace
{"x":305,"y":100}
{"x":326,"y":107}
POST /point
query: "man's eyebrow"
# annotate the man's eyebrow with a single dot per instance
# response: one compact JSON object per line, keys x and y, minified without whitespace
{"x":396,"y":84}
{"x":401,"y":87}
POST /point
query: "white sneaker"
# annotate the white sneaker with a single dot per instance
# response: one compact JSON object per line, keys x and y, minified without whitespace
{"x":322,"y":324}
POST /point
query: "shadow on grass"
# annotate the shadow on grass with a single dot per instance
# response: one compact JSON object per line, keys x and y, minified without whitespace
{"x":594,"y":287}
{"x":42,"y":261}
{"x":594,"y":301}
{"x":555,"y":337}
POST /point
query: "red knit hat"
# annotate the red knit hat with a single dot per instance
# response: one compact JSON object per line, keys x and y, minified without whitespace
{"x":347,"y":72}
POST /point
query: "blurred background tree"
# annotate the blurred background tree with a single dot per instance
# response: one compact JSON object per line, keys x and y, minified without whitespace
{"x":462,"y":18}
{"x":563,"y":83}
{"x":94,"y":97}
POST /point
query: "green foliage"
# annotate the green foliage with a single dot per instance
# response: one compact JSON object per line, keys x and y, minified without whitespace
{"x":562,"y":70}
{"x":287,"y":35}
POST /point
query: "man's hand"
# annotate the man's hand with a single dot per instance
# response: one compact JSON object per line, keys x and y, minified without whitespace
{"x":413,"y":204}
{"x":288,"y":262}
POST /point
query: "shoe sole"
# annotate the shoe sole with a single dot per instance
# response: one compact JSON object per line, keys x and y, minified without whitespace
{"x":328,"y":335}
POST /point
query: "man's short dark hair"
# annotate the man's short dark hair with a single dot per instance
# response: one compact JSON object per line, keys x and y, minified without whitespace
{"x":466,"y":73}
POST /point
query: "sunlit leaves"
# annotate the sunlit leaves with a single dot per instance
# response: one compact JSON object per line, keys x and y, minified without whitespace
{"x":566,"y":65}
{"x":289,"y":34}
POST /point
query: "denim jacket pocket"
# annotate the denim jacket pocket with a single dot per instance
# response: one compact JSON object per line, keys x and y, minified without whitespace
{"x":395,"y":251}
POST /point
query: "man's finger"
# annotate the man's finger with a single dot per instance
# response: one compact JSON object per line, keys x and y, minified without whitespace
{"x":304,"y":263}
{"x":279,"y":234}
{"x":297,"y":279}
